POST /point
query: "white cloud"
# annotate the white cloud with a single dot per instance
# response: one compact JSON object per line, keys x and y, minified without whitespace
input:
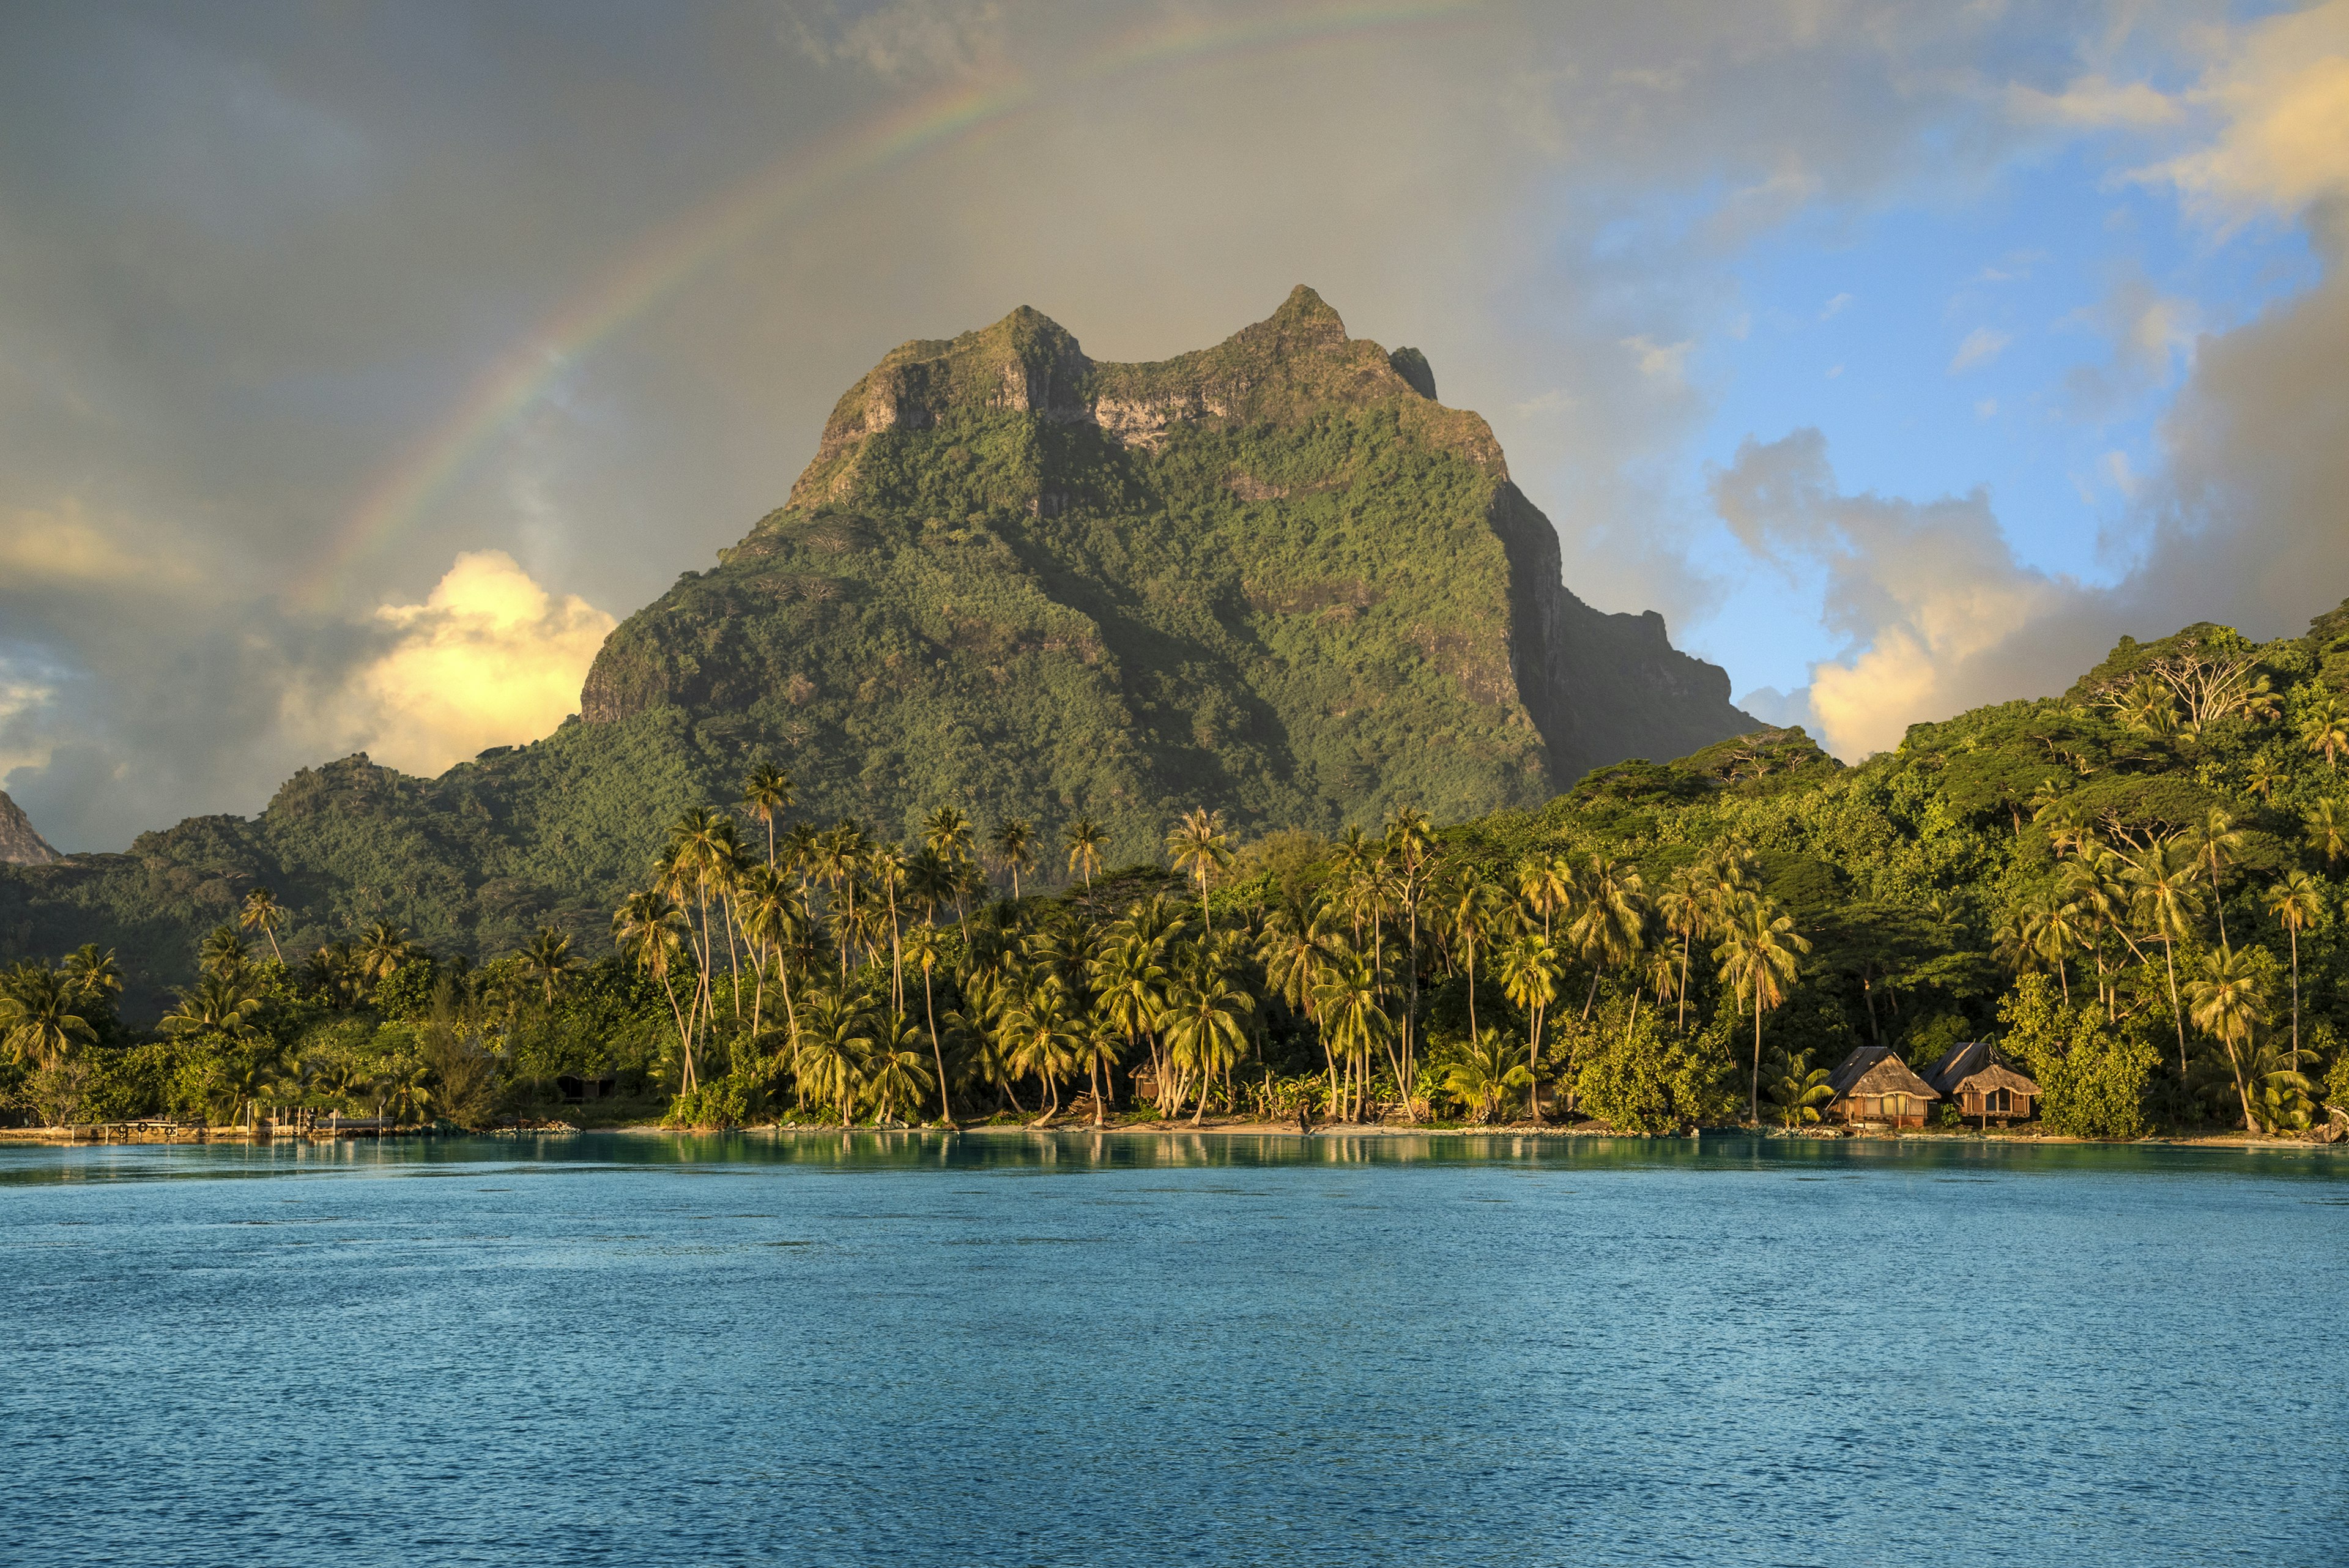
{"x":1835,"y":307}
{"x":2279,"y":92}
{"x":1987,"y":408}
{"x":2094,"y":103}
{"x":488,"y":658}
{"x":1981,"y":346}
{"x":1665,"y":362}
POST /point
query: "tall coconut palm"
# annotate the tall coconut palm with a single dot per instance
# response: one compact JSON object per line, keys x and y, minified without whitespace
{"x":777,"y":925}
{"x":924,"y":949}
{"x":1346,"y":1002}
{"x":548,"y":957}
{"x":1760,"y":952}
{"x":835,"y":1047}
{"x":218,"y":1002}
{"x":2214,"y":838}
{"x":1529,"y":976}
{"x":1205,"y":1032}
{"x":382,"y":949}
{"x":2226,"y":1003}
{"x":2328,"y":831}
{"x":1039,"y":1036}
{"x":1129,"y":984}
{"x":896,"y":1075}
{"x":94,"y":977}
{"x":1097,"y":1053}
{"x":2164,"y":903}
{"x":766,"y":795}
{"x":1475,"y":914}
{"x":649,"y":930}
{"x":946,"y":834}
{"x":1545,"y":882}
{"x":2298,"y":903}
{"x":2325,"y":729}
{"x":1199,"y":847}
{"x":1611,"y":920}
{"x":1012,"y":845}
{"x":1411,"y":845}
{"x":223,"y":952}
{"x":886,"y":872}
{"x":1085,"y":837}
{"x":1684,"y":907}
{"x":262,"y":912}
{"x":37,"y":1020}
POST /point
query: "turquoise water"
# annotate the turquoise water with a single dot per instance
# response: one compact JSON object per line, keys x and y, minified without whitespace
{"x":876,"y":1348}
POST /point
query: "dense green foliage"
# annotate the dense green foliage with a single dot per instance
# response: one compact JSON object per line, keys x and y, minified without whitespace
{"x":1273,"y":576}
{"x":2136,"y":889}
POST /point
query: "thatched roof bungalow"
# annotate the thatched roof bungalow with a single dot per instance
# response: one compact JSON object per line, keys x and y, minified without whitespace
{"x":1875,"y":1085}
{"x":1971,"y":1077}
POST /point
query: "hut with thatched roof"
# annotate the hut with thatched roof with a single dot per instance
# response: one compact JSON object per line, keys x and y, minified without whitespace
{"x":1875,"y":1085}
{"x":1979,"y":1082}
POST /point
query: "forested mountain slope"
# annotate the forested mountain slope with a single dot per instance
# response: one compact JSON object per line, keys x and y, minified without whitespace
{"x":1276,"y":578}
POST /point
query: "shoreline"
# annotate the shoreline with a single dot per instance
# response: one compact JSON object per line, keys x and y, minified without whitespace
{"x":101,"y":1137}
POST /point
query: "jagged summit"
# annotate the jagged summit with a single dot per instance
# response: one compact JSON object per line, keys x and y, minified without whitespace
{"x":19,"y":844}
{"x":1273,"y":574}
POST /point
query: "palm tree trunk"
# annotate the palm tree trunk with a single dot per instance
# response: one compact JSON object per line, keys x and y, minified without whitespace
{"x":1533,"y":1068}
{"x":937,"y":1052}
{"x":1753,"y":1103}
{"x":2169,"y":957}
{"x":2296,"y":999}
{"x":1685,"y":937}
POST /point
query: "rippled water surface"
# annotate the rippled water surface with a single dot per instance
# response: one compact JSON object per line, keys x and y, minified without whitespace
{"x":1068,"y":1350}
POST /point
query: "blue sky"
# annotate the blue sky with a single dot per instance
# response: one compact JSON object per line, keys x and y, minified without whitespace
{"x":1904,"y":354}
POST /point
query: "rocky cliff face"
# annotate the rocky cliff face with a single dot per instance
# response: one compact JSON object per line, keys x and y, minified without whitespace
{"x":1275,"y":575}
{"x":19,"y":844}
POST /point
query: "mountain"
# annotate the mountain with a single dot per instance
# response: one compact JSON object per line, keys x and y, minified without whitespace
{"x":19,"y":844}
{"x":1276,"y":577}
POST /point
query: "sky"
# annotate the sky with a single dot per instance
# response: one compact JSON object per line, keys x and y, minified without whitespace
{"x":363,"y":362}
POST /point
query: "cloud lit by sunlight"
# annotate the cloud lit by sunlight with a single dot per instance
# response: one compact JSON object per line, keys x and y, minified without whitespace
{"x":488,"y":658}
{"x":2283,"y":96}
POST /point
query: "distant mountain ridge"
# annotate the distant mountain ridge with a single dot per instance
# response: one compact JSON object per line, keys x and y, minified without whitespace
{"x":1275,"y":577}
{"x":19,"y":844}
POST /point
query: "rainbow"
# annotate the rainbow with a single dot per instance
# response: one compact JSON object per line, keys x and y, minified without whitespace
{"x":653,"y":270}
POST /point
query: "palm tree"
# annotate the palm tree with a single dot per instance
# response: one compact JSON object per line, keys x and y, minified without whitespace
{"x":1013,"y":845}
{"x":1040,"y":1037}
{"x":767,"y":794}
{"x":1098,"y":1054}
{"x":222,"y":952}
{"x":947,"y":835}
{"x":382,"y":949}
{"x":218,"y":1002}
{"x":1199,"y":847}
{"x":777,"y":926}
{"x":1203,"y":1033}
{"x":1759,"y":953}
{"x":92,"y":976}
{"x":2299,"y":903}
{"x":925,"y":952}
{"x":2164,"y":900}
{"x":1484,"y":1071}
{"x":834,"y":1047}
{"x":37,"y":1020}
{"x":2213,"y":836}
{"x":1129,"y":984}
{"x":1799,"y":1089}
{"x":1085,"y":838}
{"x":648,"y":930}
{"x":2228,"y":1006}
{"x":897,"y":1074}
{"x":549,"y":958}
{"x":2328,"y":831}
{"x":262,"y":912}
{"x":1474,"y":910}
{"x":1348,"y":1003}
{"x":1545,"y":882}
{"x":1529,"y":976}
{"x":1612,"y":922}
{"x":2325,"y":729}
{"x":1683,"y":906}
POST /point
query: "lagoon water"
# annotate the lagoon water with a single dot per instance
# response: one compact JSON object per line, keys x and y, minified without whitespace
{"x":1030,"y":1349}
